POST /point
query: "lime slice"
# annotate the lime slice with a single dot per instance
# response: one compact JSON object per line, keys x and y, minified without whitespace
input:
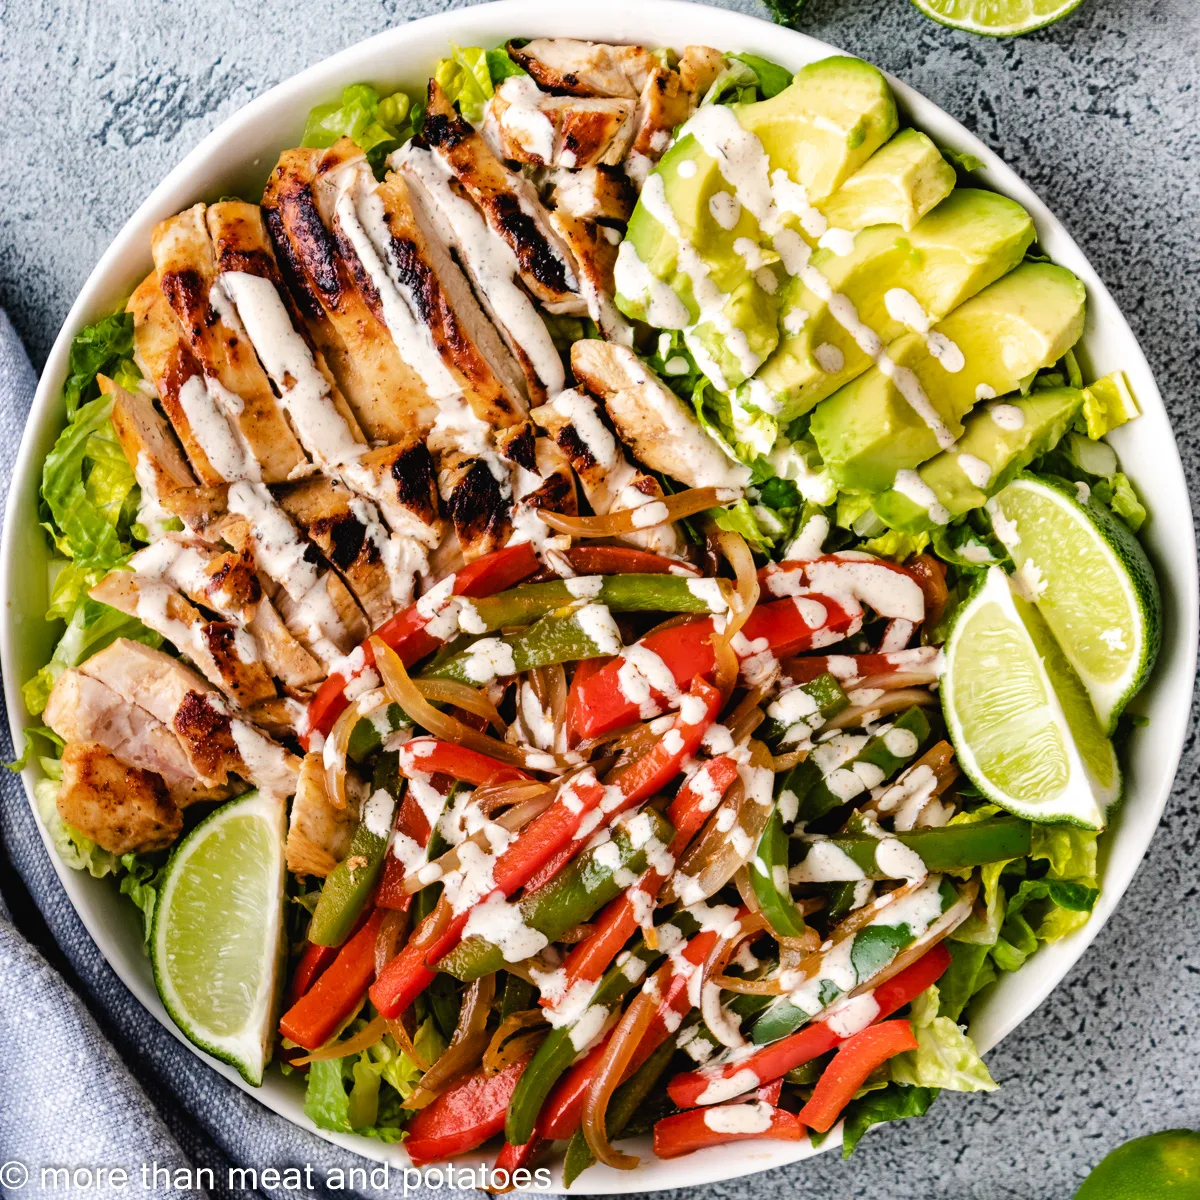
{"x":1021,"y":722}
{"x":1090,"y":580}
{"x":997,"y":18}
{"x":217,"y":940}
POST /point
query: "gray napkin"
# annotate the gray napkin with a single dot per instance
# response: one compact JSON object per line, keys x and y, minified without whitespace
{"x":88,"y":1079}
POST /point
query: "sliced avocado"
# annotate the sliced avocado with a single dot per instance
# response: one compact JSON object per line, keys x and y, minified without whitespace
{"x":820,"y":130}
{"x":897,"y":185}
{"x":889,"y":281}
{"x":872,"y":429}
{"x":694,"y":256}
{"x":998,"y":441}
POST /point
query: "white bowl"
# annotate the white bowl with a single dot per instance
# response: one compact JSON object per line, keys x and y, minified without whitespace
{"x":236,"y":158}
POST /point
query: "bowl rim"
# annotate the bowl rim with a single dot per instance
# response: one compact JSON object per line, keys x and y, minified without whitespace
{"x":652,"y":21}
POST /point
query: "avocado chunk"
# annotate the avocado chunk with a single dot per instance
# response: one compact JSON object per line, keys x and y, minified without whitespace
{"x":999,"y":440}
{"x":860,"y":293}
{"x":897,"y":185}
{"x":910,"y":406}
{"x":697,"y":256}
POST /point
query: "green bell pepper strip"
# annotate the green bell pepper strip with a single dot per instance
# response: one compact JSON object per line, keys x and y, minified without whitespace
{"x":560,"y":637}
{"x":621,"y":593}
{"x":873,"y":947}
{"x":366,"y":738}
{"x":879,"y":759}
{"x":578,"y":891}
{"x":519,"y":995}
{"x":352,"y":882}
{"x":557,"y":1051}
{"x":949,"y":848}
{"x":624,"y":1103}
{"x":797,"y":713}
{"x":769,"y":879}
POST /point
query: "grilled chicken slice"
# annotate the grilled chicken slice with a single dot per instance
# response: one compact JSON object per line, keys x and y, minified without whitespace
{"x":542,"y":479}
{"x":83,"y":709}
{"x":248,"y":275}
{"x":651,"y":420}
{"x":594,"y":248}
{"x":698,"y":69}
{"x":348,"y":532}
{"x":489,"y":263}
{"x":227,"y":582}
{"x":187,"y":274}
{"x":402,"y":479}
{"x":224,"y":653}
{"x":319,"y":834}
{"x":602,"y":194}
{"x":610,"y":481}
{"x":120,"y":807}
{"x":508,"y":202}
{"x":478,"y":497}
{"x":217,"y":744}
{"x":585,"y":68}
{"x":387,"y":396}
{"x":664,"y":104}
{"x":559,"y":131}
{"x":151,"y":451}
{"x":163,"y":357}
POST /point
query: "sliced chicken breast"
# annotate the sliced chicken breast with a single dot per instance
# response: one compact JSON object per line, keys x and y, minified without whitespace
{"x":665,"y":103}
{"x":216,"y":743}
{"x":319,"y":834}
{"x":188,"y":276}
{"x":651,"y":420}
{"x":610,"y":481}
{"x":120,"y":807}
{"x":508,"y":202}
{"x":535,"y":127}
{"x":478,"y":497}
{"x":387,"y":396}
{"x":594,"y":248}
{"x":596,"y":194}
{"x":585,"y":68}
{"x":698,"y":69}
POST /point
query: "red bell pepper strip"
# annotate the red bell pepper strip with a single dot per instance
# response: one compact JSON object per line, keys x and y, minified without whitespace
{"x":512,"y":1158}
{"x":769,"y":1092}
{"x":405,"y":632}
{"x":688,"y":1131}
{"x":463,"y":1117}
{"x":856,"y":1058}
{"x":313,"y":962}
{"x":312,"y":1020}
{"x":563,"y":1111}
{"x":775,"y":1060}
{"x":698,"y":796}
{"x":600,"y":703}
{"x":576,"y":811}
{"x":412,"y":822}
{"x":653,"y":771}
{"x":428,"y":756}
{"x":852,"y":667}
{"x":584,"y":670}
{"x":623,"y":560}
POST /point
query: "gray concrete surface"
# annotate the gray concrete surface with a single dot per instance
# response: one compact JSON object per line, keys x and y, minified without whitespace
{"x":1099,"y":114}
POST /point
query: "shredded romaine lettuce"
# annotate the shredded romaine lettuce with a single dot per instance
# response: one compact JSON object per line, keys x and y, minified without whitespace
{"x":945,"y":1056}
{"x":102,"y":348}
{"x":376,"y":124}
{"x":893,"y":1103}
{"x":896,"y":545}
{"x":470,"y":75}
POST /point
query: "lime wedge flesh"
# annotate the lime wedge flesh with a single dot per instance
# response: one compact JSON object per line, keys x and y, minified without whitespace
{"x":1022,"y":726}
{"x":997,"y":18}
{"x":1091,"y":582}
{"x":217,"y":938}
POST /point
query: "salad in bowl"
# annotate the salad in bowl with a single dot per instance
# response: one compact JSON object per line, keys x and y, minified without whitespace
{"x":599,"y":604}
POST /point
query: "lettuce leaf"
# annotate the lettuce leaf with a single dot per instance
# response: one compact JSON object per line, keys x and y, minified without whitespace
{"x":470,"y":75}
{"x":896,"y":545}
{"x":376,"y":124}
{"x":102,"y":348}
{"x":1070,"y":851}
{"x":963,"y":977}
{"x":92,"y":627}
{"x":140,"y":883}
{"x":1108,"y":403}
{"x":893,"y":1103}
{"x":1117,"y":494}
{"x":363,"y":1093}
{"x":945,"y":1056}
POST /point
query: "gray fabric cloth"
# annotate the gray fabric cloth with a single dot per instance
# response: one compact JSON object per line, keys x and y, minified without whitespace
{"x":87,"y":1078}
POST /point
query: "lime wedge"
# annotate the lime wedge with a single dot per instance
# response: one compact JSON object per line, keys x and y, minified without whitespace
{"x":217,"y":940}
{"x":1090,"y":580}
{"x":997,"y":18}
{"x":1020,"y":719}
